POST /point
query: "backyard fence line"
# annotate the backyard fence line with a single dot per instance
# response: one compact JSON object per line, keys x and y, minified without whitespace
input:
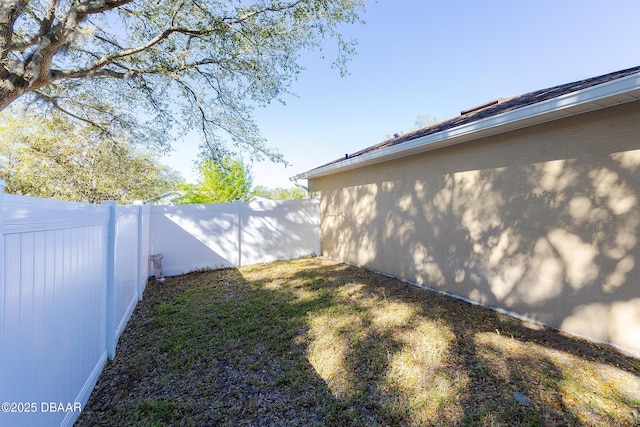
{"x":234,"y":234}
{"x":71,"y":275}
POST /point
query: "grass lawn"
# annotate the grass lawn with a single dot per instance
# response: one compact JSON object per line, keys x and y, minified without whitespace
{"x":315,"y":342}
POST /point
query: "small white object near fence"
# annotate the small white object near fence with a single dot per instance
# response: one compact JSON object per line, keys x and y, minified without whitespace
{"x":72,"y":273}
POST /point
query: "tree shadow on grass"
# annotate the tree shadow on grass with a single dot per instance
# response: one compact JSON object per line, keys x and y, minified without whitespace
{"x":313,"y":342}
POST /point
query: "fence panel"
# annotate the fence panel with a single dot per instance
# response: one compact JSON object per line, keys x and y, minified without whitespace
{"x":53,"y":334}
{"x":272,"y":230}
{"x":125,"y":265}
{"x":192,"y":237}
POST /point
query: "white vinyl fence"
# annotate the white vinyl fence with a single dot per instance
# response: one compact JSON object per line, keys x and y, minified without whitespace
{"x":72,"y":273}
{"x":234,"y":234}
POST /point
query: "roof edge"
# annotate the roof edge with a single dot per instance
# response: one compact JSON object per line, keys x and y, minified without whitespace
{"x":607,"y":94}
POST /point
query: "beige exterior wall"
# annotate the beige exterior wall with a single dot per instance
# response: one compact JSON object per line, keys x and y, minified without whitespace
{"x":544,"y":222}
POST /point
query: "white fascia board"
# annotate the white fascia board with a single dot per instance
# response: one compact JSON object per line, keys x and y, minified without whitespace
{"x":619,"y":91}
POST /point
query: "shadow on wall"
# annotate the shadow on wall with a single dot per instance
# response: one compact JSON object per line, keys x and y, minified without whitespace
{"x":193,"y":237}
{"x":543,"y":228}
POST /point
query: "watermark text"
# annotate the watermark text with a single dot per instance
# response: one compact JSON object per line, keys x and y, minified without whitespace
{"x":39,"y":407}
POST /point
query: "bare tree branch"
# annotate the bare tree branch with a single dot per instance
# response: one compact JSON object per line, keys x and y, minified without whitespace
{"x":108,"y":59}
{"x":54,"y":102}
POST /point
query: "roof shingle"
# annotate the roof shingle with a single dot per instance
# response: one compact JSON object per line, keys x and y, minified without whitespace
{"x":490,"y":109}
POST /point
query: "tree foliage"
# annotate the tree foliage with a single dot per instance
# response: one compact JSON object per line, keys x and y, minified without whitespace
{"x":424,"y":120}
{"x":54,"y":158}
{"x":222,"y":181}
{"x":145,"y":66}
{"x":280,"y":193}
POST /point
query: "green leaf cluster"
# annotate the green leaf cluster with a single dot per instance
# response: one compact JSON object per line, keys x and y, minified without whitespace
{"x":280,"y":193}
{"x":222,"y":181}
{"x":53,"y":157}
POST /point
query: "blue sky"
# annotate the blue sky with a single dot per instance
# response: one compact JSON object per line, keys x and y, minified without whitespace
{"x":435,"y":58}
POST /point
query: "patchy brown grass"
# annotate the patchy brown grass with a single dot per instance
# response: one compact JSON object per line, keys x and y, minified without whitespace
{"x":315,"y":342}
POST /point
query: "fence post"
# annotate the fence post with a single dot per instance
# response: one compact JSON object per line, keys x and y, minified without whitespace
{"x":144,"y":246}
{"x":237,"y":222}
{"x":139,"y":270}
{"x":316,"y":222}
{"x":111,"y":289}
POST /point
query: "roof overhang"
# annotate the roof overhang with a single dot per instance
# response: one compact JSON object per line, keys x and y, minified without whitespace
{"x":615,"y":92}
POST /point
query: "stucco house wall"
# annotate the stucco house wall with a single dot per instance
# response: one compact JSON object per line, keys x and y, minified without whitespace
{"x":543,"y":221}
